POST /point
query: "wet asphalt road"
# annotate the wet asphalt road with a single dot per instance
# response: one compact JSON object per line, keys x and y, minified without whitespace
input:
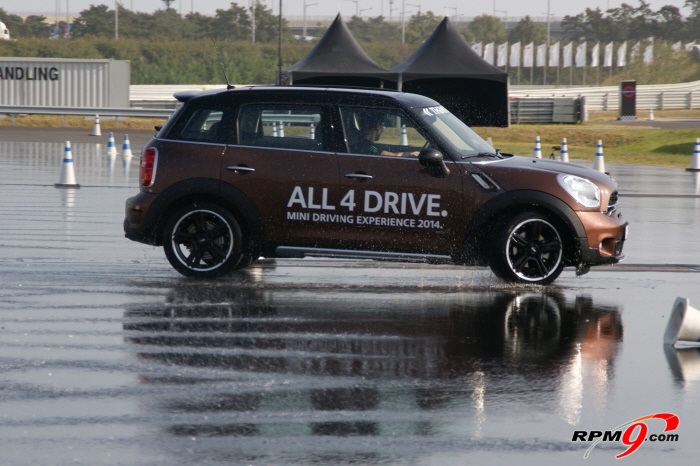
{"x":108,"y":356}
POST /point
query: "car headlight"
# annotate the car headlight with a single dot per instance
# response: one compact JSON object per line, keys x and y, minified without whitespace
{"x":584,"y":191}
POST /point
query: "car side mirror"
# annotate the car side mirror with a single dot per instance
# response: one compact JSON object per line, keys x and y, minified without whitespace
{"x":434,"y":162}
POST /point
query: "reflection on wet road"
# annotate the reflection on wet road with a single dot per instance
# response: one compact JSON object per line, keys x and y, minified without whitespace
{"x":366,"y":362}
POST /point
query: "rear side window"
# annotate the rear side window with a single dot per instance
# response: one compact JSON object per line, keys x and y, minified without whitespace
{"x":202,"y":124}
{"x":282,"y":126}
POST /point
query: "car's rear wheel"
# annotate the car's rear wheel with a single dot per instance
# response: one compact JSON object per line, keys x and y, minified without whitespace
{"x":203,"y":240}
{"x":528,"y":249}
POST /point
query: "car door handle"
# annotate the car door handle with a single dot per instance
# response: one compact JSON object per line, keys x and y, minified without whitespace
{"x":359,"y":176}
{"x":240,"y":169}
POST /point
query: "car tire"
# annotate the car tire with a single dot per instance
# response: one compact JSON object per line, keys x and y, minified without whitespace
{"x":528,"y":249}
{"x":203,"y":240}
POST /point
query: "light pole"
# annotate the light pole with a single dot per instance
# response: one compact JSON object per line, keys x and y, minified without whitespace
{"x":357,"y":6}
{"x":279,"y":48}
{"x":364,"y":9}
{"x":116,"y":20}
{"x":548,"y":22}
{"x":403,"y":22}
{"x":252,"y":23}
{"x":306,"y":5}
{"x":544,"y":80}
{"x":505,"y":16}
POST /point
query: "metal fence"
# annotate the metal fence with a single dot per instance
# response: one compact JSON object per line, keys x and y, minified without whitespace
{"x":527,"y":104}
{"x":150,"y":96}
{"x":549,"y":110}
{"x":86,"y":111}
{"x":607,"y":98}
{"x":14,"y":110}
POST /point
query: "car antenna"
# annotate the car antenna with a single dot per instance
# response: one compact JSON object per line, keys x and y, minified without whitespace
{"x":223,"y":68}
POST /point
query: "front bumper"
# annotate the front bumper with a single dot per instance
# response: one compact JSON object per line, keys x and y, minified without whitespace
{"x":605,"y":238}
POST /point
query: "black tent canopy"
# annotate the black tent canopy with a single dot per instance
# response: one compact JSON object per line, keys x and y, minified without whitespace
{"x":444,"y":68}
{"x":337,"y":59}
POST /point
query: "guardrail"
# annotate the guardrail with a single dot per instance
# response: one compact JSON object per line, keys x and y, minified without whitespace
{"x":153,"y":101}
{"x":556,"y":110}
{"x":128,"y":112}
{"x":86,"y":111}
{"x":607,"y":98}
{"x":684,"y":96}
{"x":153,"y":96}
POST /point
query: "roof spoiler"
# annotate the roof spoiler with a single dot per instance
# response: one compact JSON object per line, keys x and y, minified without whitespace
{"x":184,"y":96}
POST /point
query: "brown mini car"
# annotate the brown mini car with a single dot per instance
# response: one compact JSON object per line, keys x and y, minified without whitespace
{"x":236,"y":174}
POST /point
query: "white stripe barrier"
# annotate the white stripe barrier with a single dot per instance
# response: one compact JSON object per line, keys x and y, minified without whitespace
{"x":695,"y":161}
{"x":96,"y":131}
{"x":111,"y":146}
{"x":564,"y":151}
{"x":599,"y":161}
{"x":537,"y":151}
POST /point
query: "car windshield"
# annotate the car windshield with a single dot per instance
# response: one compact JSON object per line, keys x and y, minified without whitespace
{"x":451,"y":132}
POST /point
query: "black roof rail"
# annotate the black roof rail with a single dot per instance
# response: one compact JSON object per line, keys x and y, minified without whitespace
{"x":343,"y":86}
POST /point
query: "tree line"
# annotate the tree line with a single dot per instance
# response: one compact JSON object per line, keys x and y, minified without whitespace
{"x":259,"y":24}
{"x":167,"y":48}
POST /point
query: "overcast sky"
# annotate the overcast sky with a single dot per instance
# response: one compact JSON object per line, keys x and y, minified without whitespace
{"x":348,"y":8}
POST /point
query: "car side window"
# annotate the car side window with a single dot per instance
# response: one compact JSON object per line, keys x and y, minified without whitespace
{"x":282,"y":126}
{"x":380,"y":131}
{"x":203,"y":124}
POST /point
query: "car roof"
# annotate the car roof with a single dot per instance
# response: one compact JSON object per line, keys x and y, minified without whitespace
{"x":343,"y":94}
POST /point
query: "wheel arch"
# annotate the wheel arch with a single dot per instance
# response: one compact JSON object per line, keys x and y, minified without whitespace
{"x":492,"y":215}
{"x":209,"y":190}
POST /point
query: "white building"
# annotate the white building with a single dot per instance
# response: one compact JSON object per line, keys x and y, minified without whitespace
{"x":4,"y":32}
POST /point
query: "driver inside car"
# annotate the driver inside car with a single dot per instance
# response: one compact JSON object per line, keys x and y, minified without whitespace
{"x":372,"y":127}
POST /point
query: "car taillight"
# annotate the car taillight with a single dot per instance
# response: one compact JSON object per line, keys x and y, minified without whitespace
{"x":147,"y":173}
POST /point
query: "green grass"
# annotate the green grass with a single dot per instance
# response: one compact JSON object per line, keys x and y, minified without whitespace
{"x":623,"y":144}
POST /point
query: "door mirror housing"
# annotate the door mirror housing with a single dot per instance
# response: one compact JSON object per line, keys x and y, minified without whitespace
{"x":434,"y":162}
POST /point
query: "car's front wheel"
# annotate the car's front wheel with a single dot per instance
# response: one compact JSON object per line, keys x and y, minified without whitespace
{"x":203,"y":240}
{"x":528,"y":249}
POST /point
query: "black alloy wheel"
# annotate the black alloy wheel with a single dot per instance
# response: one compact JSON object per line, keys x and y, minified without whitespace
{"x":203,"y":240}
{"x":529,"y":249}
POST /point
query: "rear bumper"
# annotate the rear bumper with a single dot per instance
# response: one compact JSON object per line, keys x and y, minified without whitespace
{"x":138,"y":226}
